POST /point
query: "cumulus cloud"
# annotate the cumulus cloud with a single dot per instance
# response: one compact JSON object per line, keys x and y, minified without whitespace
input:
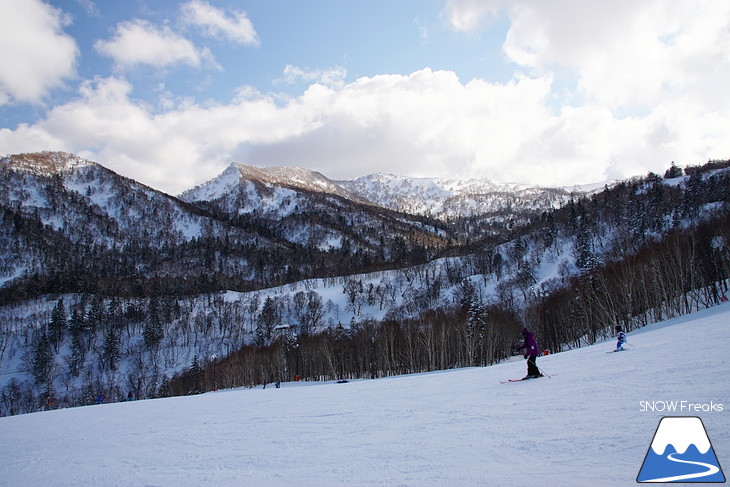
{"x":139,"y":42}
{"x":623,"y":54}
{"x":602,"y":91}
{"x":37,"y":55}
{"x":215,"y":23}
{"x":428,"y":123}
{"x":467,"y":15}
{"x":172,"y":150}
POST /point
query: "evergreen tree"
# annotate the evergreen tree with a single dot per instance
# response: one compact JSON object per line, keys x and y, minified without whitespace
{"x":92,"y":322}
{"x":153,"y":332}
{"x":268,"y":319}
{"x":42,"y":361}
{"x":115,"y":315}
{"x":475,"y":331}
{"x":95,"y":317}
{"x":57,"y":327}
{"x":78,"y":355}
{"x":76,"y":328}
{"x":196,"y":376}
{"x":112,"y":349}
{"x":673,"y":172}
{"x":693,"y":195}
{"x":584,"y":255}
{"x":497,"y":265}
{"x":549,"y":229}
{"x":76,"y":323}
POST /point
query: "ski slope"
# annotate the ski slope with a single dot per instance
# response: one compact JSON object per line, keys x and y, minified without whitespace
{"x":588,"y":425}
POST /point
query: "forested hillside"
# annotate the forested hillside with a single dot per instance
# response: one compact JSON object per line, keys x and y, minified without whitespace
{"x":109,"y":287}
{"x":644,"y":250}
{"x":70,"y":225}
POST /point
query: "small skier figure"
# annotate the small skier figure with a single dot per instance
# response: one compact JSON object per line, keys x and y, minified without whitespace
{"x":531,"y":353}
{"x":621,"y":339}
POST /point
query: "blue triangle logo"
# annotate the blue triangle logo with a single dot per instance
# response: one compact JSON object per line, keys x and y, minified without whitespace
{"x":680,"y":452}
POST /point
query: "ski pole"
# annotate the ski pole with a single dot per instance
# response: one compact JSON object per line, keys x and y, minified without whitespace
{"x":543,"y":372}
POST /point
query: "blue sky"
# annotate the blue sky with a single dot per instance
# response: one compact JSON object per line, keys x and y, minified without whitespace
{"x":551,"y":93}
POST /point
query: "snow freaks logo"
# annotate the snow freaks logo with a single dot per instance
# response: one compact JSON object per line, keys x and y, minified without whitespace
{"x":681,"y":452}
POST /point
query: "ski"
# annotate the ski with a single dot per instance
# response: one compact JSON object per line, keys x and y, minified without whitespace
{"x":620,"y":350}
{"x":523,"y":379}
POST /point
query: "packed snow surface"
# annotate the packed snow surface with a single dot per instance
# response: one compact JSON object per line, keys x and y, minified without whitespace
{"x":589,"y":424}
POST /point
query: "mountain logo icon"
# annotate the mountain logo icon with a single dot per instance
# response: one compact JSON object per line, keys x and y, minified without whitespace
{"x":680,"y":452}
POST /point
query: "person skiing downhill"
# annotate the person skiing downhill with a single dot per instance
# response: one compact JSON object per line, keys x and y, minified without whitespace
{"x":620,"y":337}
{"x":531,"y":353}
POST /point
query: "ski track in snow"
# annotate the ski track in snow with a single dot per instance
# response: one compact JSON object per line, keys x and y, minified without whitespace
{"x":582,"y":427}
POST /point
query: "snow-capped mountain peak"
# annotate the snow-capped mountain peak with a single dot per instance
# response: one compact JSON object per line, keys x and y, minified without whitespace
{"x":282,"y":176}
{"x":44,"y":163}
{"x":421,"y":196}
{"x":452,"y":197}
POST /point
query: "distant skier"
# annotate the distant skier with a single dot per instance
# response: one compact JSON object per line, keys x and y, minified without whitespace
{"x":621,"y":338}
{"x":531,"y":353}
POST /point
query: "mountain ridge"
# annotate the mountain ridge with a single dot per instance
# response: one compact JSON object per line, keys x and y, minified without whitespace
{"x":45,"y":162}
{"x":438,"y":197}
{"x":102,"y":277}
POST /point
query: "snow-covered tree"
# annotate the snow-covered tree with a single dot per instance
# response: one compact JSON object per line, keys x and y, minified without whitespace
{"x":57,"y":326}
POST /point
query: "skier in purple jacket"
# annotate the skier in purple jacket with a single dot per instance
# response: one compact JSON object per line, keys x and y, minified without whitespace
{"x":531,"y":353}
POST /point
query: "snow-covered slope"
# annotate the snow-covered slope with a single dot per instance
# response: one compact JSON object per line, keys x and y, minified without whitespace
{"x":420,"y":196}
{"x":84,"y":186}
{"x":66,"y":215}
{"x":272,"y":178}
{"x":454,"y":197}
{"x":306,"y":208}
{"x":45,"y":163}
{"x":588,"y":424}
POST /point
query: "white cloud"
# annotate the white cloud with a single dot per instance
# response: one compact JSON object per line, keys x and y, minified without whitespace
{"x":172,"y":150}
{"x":624,"y":54}
{"x":428,"y":123}
{"x":138,"y":42}
{"x":640,"y":82}
{"x":467,"y":15}
{"x":646,"y":84}
{"x":215,"y":23}
{"x":89,"y":7}
{"x":332,"y":77}
{"x":37,"y":55}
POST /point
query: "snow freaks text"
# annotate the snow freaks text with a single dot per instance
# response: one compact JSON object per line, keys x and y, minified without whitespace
{"x":680,"y":407}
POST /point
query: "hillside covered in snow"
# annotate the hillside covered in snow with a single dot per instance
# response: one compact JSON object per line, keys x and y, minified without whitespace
{"x":589,"y":423}
{"x":109,"y":287}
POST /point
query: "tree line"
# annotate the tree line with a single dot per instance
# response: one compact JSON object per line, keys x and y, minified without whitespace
{"x":438,"y":339}
{"x":642,"y":251}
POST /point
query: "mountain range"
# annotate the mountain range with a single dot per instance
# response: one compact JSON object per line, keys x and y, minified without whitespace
{"x":72,"y":224}
{"x":439,"y":198}
{"x":109,"y":285}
